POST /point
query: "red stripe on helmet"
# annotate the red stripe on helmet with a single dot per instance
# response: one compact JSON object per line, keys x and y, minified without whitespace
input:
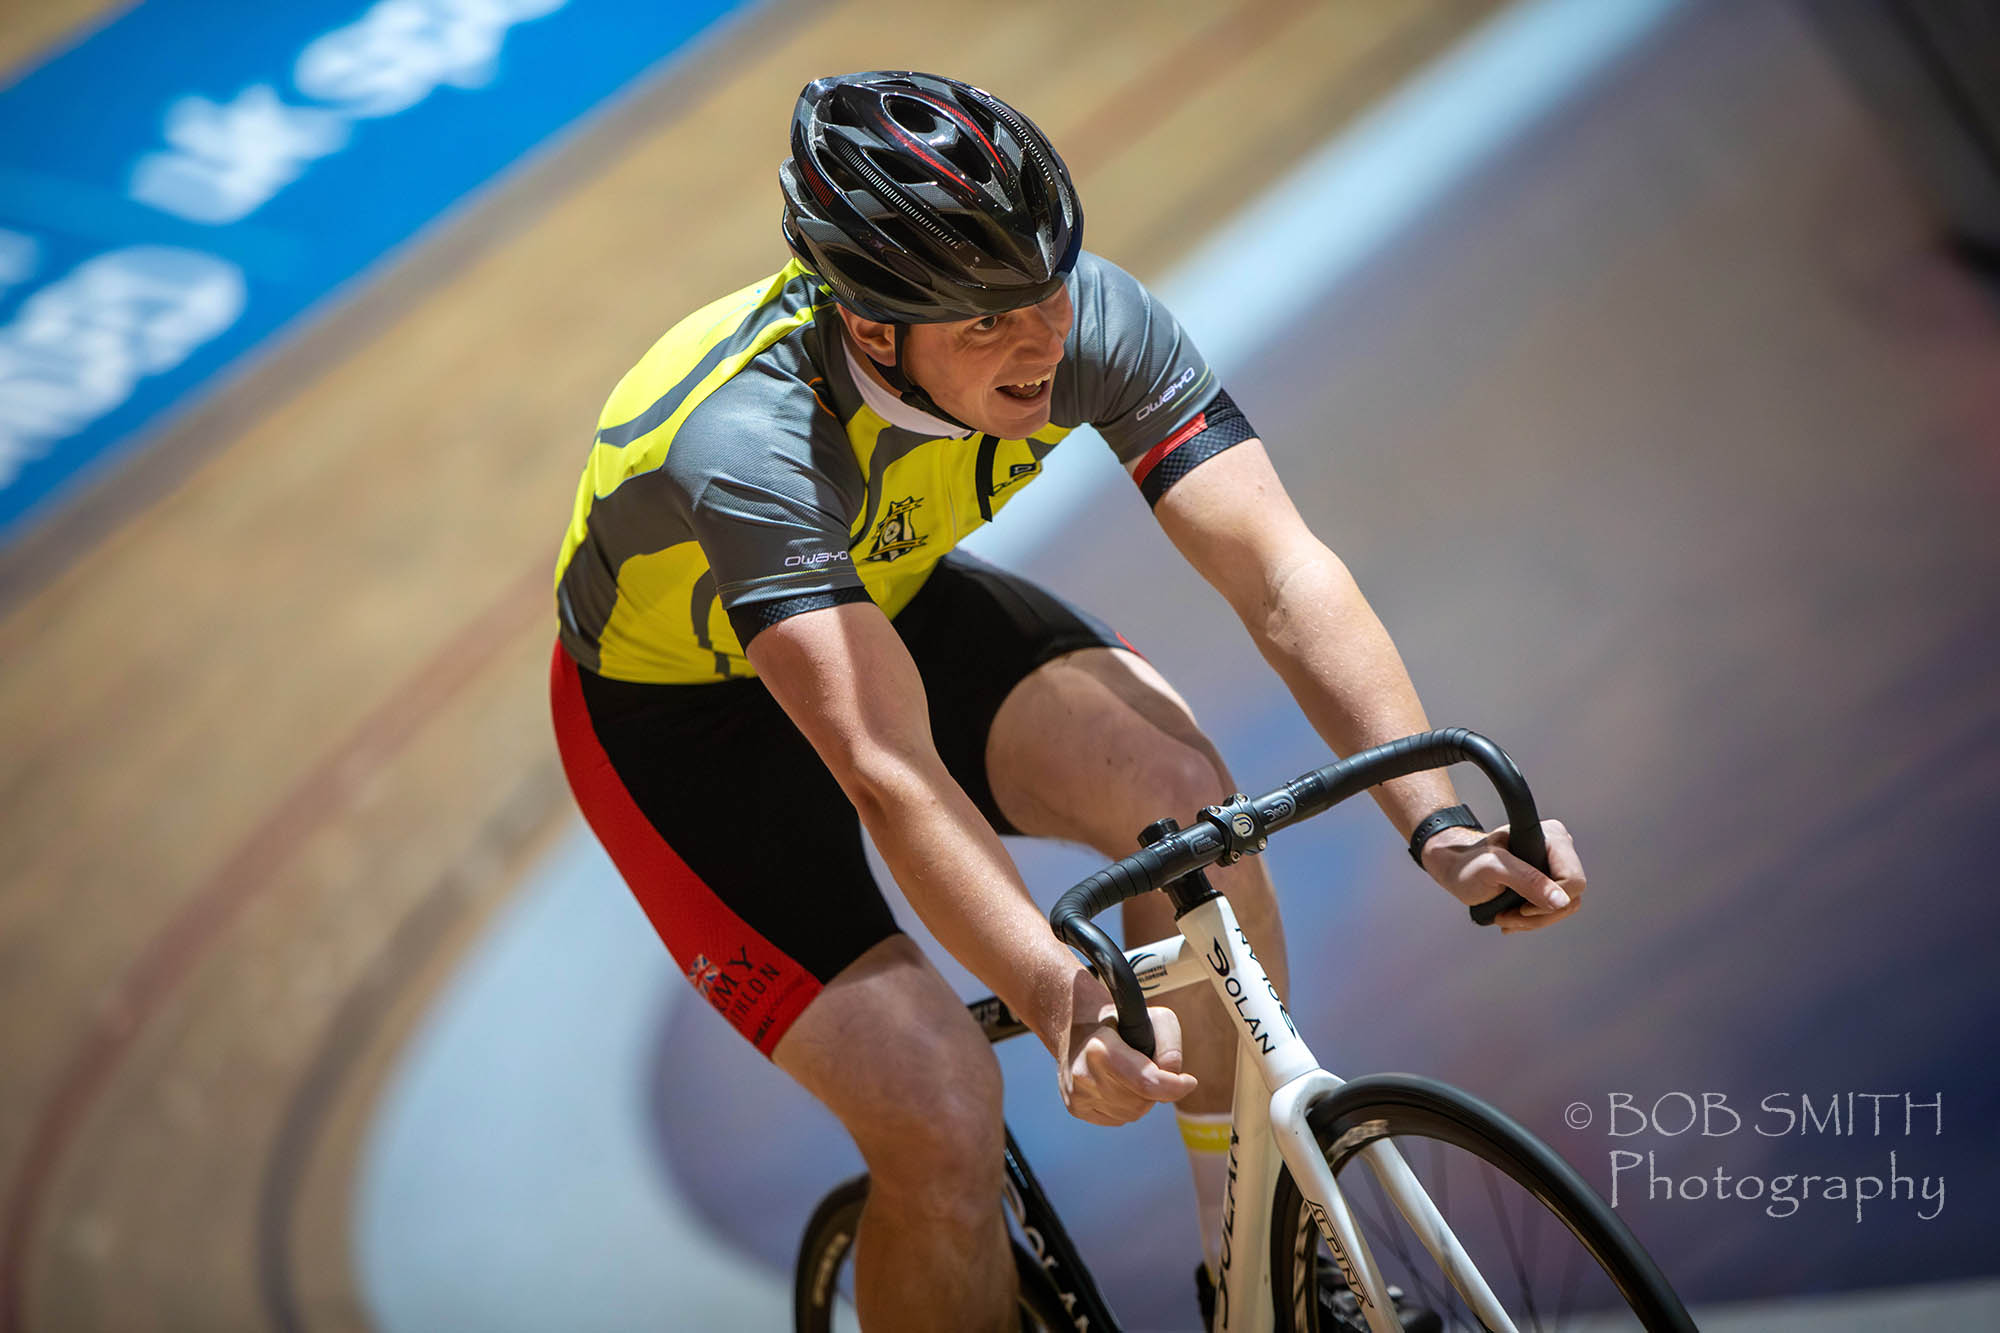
{"x":970,"y":124}
{"x":918,"y":149}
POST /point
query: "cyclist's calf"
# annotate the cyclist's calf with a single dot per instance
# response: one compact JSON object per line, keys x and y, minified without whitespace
{"x":892,"y":1052}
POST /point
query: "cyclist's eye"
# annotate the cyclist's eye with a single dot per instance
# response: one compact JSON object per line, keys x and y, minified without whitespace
{"x":986,"y":323}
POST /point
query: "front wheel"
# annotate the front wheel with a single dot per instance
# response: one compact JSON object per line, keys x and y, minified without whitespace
{"x":1552,"y":1254}
{"x":822,"y":1288}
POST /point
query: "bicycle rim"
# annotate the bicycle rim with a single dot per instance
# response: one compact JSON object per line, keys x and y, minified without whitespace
{"x":1553,"y":1254}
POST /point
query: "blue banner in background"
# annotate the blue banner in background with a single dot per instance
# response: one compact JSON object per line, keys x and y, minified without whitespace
{"x":189,"y":179}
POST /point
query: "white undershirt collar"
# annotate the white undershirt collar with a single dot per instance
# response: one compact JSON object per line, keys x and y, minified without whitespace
{"x":891,"y":408}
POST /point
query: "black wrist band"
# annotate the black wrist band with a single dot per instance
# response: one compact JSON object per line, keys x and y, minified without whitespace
{"x":1452,"y":816}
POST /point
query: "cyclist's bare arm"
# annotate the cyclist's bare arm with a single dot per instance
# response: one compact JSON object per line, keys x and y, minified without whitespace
{"x":845,"y":679}
{"x":1233,"y":521}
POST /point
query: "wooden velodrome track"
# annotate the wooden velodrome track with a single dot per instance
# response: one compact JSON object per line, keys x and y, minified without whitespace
{"x":275,"y":739}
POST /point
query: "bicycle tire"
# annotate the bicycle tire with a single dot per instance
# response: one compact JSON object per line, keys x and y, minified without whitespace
{"x":829,"y":1239}
{"x":1406,"y":1107}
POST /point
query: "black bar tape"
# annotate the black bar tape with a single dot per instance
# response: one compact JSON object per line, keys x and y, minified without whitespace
{"x":1311,"y":793}
{"x":1196,"y":848}
{"x":1115,"y":971}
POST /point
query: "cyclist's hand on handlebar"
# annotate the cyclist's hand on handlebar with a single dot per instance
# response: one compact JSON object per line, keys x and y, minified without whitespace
{"x":1475,"y":866}
{"x":1106,"y":1082}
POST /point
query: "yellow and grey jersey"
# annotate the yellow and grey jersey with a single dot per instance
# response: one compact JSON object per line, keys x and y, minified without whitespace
{"x":739,"y":474}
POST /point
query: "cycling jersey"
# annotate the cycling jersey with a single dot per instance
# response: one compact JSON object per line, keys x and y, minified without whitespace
{"x":747,"y":470}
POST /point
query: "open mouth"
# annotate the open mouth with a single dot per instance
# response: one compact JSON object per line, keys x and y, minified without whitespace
{"x":1031,"y":392}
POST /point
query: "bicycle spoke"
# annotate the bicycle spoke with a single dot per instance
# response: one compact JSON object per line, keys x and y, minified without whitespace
{"x":1572,"y":1274}
{"x":1531,"y":1219}
{"x":1532,"y":1240}
{"x":1391,"y":1226}
{"x":1513,"y":1250}
{"x":1440,"y":1192}
{"x":1415,"y":1276}
{"x":1543,"y":1271}
{"x":1438,"y":1163}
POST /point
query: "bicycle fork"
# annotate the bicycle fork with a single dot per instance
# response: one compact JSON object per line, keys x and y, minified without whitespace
{"x":1277,"y":1082}
{"x":1335,"y":1222}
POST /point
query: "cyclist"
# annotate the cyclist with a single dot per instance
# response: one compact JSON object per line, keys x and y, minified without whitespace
{"x":766,"y":643}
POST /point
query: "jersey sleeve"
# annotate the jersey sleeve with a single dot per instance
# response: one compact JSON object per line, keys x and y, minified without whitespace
{"x":1142,"y":382}
{"x":772,"y":522}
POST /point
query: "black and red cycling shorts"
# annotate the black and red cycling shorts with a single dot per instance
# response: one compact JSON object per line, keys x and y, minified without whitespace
{"x":730,"y":831}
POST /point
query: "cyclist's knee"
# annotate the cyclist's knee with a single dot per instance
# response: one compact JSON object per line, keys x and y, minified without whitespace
{"x":1190,"y":775}
{"x":1185,"y":777}
{"x":935,"y":1141}
{"x":892,"y":1052}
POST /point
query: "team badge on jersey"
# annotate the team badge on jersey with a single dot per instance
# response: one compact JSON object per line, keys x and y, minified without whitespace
{"x":896,"y":534}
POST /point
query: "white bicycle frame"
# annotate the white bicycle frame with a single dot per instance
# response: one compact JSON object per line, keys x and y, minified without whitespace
{"x":1277,"y":1082}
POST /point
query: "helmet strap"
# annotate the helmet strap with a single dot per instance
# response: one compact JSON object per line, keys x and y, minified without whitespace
{"x":909,"y":390}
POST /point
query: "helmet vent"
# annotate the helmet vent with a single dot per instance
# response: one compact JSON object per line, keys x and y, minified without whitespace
{"x":840,"y":111}
{"x":911,"y":114}
{"x":1032,"y":141}
{"x":977,"y":112}
{"x":970,"y":159}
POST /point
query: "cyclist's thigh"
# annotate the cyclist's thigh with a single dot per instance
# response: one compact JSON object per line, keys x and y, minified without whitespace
{"x":976,"y":633}
{"x":737,"y":842}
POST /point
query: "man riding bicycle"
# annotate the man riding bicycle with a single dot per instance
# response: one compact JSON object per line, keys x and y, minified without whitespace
{"x":766,"y":643}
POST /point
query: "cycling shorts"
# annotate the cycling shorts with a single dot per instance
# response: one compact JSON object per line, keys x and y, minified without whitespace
{"x":736,"y":840}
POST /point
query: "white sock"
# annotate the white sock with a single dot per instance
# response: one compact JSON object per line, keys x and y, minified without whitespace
{"x":1207,"y":1140}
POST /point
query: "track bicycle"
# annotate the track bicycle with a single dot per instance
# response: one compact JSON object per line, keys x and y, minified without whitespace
{"x":1460,"y":1220}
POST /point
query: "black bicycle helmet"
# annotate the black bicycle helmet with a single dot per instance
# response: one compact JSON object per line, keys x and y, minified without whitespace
{"x":920,"y":199}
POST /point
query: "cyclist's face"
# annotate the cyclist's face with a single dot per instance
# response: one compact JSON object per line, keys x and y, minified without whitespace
{"x":996,"y":374}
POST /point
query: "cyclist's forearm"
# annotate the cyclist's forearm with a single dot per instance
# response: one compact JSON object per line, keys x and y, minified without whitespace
{"x":1318,"y":632}
{"x":961,"y":882}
